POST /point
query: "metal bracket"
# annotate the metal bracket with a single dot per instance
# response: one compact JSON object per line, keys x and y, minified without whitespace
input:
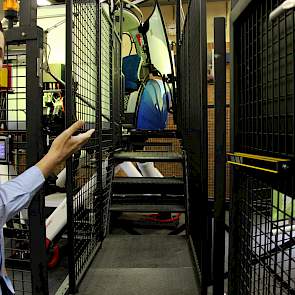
{"x":23,"y":34}
{"x":257,"y":162}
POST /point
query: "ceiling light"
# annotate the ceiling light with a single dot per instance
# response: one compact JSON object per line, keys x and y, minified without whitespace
{"x":43,"y":2}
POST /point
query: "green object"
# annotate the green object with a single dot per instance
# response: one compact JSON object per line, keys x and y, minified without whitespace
{"x":282,"y":206}
{"x":58,"y":70}
{"x":130,"y":21}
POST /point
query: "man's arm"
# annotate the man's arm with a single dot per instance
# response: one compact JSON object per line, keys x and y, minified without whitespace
{"x":63,"y":147}
{"x":18,"y":193}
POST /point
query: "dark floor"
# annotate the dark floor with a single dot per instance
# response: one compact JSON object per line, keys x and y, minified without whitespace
{"x":143,"y":264}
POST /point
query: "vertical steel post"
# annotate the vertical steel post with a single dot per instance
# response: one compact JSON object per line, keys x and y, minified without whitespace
{"x":178,"y":71}
{"x":99,"y":123}
{"x":233,"y":260}
{"x":69,"y":120}
{"x":34,"y":110}
{"x":204,"y":145}
{"x":28,"y":13}
{"x":220,"y":155}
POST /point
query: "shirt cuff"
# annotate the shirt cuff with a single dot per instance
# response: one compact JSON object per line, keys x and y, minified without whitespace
{"x":33,"y":179}
{"x":38,"y":173}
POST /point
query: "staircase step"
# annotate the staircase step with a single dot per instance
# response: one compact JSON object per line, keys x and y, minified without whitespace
{"x":147,"y":199}
{"x":147,"y":208}
{"x":148,"y":156}
{"x":154,"y":134}
{"x":148,"y":185}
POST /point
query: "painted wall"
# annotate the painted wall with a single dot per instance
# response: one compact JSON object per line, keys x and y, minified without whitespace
{"x":214,"y":9}
{"x":48,"y":17}
{"x":51,"y":15}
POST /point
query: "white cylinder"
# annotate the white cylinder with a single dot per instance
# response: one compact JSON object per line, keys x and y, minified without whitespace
{"x":129,"y":169}
{"x":288,"y":4}
{"x":276,"y":13}
{"x":58,"y":219}
{"x":148,"y":169}
{"x":61,"y":178}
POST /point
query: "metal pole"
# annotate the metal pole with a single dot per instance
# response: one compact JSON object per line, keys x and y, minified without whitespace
{"x":34,"y":84}
{"x":220,"y":155}
{"x":206,"y":261}
{"x":70,"y":100}
{"x":98,"y":130}
{"x":234,"y":257}
{"x":28,"y":13}
{"x":178,"y":62}
{"x":178,"y":26}
{"x":121,"y":19}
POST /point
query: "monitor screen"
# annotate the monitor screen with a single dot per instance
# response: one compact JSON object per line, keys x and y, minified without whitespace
{"x":2,"y":150}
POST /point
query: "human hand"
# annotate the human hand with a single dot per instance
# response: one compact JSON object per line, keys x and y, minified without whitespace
{"x":63,"y":147}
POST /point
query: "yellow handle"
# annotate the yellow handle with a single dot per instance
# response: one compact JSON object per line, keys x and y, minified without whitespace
{"x":258,"y":157}
{"x":254,"y":167}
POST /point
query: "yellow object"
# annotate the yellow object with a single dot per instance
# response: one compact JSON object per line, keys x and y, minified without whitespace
{"x":253,"y":167}
{"x":239,"y":158}
{"x":11,"y":5}
{"x":258,"y":157}
{"x":3,"y":78}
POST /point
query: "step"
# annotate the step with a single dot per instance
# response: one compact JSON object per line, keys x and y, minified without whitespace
{"x":148,"y":185}
{"x":148,"y":156}
{"x":147,"y":208}
{"x":154,"y":134}
{"x":147,"y":199}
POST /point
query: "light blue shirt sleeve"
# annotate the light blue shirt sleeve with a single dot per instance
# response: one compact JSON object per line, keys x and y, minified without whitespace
{"x":17,"y":193}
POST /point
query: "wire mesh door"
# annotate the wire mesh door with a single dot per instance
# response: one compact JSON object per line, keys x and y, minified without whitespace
{"x":21,"y":147}
{"x":262,"y":243}
{"x":89,"y":98}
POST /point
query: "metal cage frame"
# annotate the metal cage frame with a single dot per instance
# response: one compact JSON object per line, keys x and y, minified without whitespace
{"x":86,"y":226}
{"x":191,"y":104}
{"x":31,"y":37}
{"x":262,"y":120}
{"x":100,"y":66}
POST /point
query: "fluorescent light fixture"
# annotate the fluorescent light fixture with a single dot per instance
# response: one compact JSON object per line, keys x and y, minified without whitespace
{"x":43,"y":2}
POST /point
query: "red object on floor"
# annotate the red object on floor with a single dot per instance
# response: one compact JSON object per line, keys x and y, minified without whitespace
{"x":54,"y":259}
{"x":168,"y":220}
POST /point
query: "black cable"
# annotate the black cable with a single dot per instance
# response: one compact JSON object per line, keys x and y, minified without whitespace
{"x":132,"y":43}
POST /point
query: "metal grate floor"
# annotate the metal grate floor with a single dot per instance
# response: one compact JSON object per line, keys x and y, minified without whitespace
{"x":145,"y":265}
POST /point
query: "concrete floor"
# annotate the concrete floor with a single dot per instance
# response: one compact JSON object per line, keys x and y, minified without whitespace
{"x":143,"y":264}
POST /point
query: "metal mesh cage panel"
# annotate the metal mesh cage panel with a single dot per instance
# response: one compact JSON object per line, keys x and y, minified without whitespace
{"x":262,"y":225}
{"x":13,"y":124}
{"x":265,"y":69}
{"x":20,"y":127}
{"x":267,"y":231}
{"x":107,"y":87}
{"x":90,"y":85}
